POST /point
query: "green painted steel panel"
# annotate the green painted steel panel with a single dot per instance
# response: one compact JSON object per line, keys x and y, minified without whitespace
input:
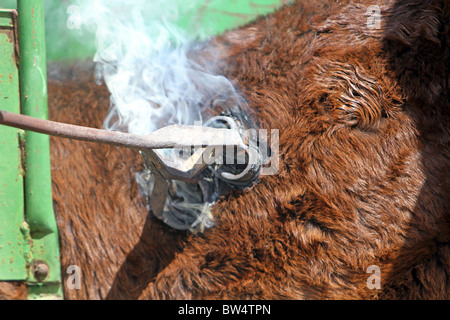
{"x":13,"y":263}
{"x":41,"y":228}
{"x":6,"y":20}
{"x":28,"y":231}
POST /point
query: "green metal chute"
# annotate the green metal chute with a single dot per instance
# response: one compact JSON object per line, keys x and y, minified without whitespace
{"x":13,"y":261}
{"x":29,"y":241}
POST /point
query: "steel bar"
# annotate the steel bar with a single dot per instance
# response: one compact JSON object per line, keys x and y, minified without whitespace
{"x":174,"y":136}
{"x":40,"y":220}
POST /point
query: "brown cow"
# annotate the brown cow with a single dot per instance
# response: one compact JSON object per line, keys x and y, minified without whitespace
{"x":363,"y":180}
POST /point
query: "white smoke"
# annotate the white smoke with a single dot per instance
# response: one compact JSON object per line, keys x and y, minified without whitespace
{"x":145,"y":65}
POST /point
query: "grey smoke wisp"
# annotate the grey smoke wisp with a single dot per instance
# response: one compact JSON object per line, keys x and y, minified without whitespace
{"x":145,"y":64}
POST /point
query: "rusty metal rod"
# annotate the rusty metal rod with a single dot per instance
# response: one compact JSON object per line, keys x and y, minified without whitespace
{"x":174,"y":136}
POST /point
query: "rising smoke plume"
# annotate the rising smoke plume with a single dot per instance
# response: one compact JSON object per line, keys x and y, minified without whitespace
{"x":145,"y":64}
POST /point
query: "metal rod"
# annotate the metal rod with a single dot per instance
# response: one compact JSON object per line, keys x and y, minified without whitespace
{"x":175,"y":136}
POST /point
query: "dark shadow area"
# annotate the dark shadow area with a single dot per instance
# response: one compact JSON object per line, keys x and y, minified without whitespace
{"x":156,"y":248}
{"x":416,"y":41}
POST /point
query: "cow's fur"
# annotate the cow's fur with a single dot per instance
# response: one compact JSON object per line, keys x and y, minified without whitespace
{"x":363,"y":179}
